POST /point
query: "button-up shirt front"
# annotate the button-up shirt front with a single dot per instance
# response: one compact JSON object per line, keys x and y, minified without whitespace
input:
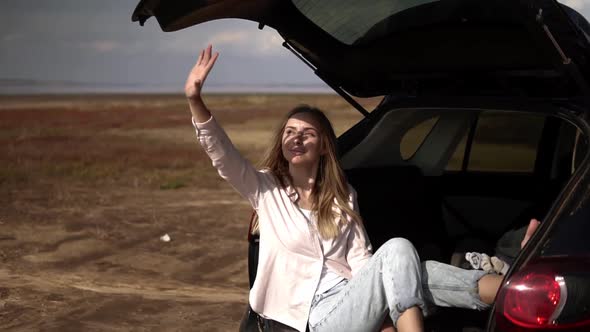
{"x":290,"y":255}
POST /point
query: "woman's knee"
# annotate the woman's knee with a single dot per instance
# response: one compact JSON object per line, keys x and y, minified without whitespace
{"x":399,"y":246}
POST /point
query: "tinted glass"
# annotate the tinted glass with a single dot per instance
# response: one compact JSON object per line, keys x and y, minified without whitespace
{"x":349,"y":20}
{"x":414,"y":137}
{"x":506,"y":142}
{"x":456,"y":161}
{"x":570,"y":236}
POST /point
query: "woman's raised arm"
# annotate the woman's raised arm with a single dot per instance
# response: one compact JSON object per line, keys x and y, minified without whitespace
{"x":194,"y":83}
{"x":228,"y":161}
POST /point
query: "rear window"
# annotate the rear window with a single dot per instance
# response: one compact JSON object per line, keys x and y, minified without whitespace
{"x":350,"y":20}
{"x":503,"y":142}
{"x":414,"y":137}
{"x":570,"y":235}
{"x":506,"y":142}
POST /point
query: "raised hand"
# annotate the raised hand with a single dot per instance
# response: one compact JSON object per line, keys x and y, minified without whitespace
{"x":196,"y":77}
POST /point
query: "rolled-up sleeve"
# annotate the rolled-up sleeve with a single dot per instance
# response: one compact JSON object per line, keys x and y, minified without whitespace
{"x":228,"y":161}
{"x":359,"y":245}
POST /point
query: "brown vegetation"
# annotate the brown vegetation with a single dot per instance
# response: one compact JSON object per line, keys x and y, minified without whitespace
{"x":88,"y":184}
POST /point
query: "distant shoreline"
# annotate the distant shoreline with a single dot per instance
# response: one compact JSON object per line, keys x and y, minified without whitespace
{"x":139,"y":100}
{"x":160,"y":93}
{"x":31,"y":87}
{"x":82,"y":95}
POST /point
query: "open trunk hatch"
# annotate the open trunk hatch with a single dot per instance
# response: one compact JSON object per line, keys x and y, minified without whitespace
{"x":506,"y":48}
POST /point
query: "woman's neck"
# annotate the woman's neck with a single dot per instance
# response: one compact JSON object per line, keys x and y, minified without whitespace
{"x":303,"y":178}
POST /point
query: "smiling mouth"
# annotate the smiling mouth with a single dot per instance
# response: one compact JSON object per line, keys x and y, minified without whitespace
{"x":297,"y":151}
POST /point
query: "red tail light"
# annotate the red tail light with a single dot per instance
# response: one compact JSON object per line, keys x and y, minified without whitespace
{"x":533,"y":299}
{"x":552,"y":294}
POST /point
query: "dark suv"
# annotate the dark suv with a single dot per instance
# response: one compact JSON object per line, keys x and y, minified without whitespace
{"x":484,"y":125}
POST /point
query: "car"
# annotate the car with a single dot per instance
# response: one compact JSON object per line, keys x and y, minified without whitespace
{"x":484,"y":124}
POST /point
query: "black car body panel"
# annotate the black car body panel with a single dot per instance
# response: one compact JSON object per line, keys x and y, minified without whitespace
{"x":444,"y":47}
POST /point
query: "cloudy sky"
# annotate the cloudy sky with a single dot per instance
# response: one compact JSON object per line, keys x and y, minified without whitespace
{"x":95,"y":42}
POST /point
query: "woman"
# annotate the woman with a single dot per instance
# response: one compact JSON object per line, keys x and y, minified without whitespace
{"x":315,"y":264}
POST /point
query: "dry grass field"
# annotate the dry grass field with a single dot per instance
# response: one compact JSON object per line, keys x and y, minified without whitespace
{"x":89,"y":184}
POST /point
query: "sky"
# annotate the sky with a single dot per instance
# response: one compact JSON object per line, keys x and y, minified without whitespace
{"x":90,"y":43}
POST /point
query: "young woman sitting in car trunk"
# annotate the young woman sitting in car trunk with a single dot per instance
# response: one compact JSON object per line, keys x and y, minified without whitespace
{"x":316,"y":269}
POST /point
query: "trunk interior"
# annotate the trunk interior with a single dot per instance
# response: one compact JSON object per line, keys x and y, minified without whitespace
{"x":448,"y":210}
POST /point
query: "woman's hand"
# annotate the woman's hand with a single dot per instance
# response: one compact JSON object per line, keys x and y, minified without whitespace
{"x":196,"y":78}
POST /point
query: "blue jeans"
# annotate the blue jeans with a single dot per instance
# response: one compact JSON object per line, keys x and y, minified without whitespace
{"x":392,"y":281}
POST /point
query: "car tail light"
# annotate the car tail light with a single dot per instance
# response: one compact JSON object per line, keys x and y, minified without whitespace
{"x":534,"y":299}
{"x":547,"y":295}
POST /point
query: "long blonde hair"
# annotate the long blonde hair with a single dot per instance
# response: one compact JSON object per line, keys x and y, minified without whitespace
{"x":330,"y":187}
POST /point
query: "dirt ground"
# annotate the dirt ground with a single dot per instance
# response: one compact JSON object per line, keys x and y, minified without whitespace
{"x":90,"y":184}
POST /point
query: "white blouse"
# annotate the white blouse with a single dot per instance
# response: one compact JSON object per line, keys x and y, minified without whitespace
{"x":328,"y":279}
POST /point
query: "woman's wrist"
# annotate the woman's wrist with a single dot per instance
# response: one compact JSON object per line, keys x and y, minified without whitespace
{"x":198,"y":109}
{"x":195,"y":102}
{"x":194,"y":99}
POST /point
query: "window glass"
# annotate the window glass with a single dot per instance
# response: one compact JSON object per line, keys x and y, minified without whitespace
{"x":506,"y":142}
{"x":565,"y":146}
{"x":456,"y":161}
{"x":349,"y":20}
{"x":414,"y":137}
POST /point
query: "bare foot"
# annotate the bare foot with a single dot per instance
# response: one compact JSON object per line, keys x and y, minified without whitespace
{"x":533,"y":225}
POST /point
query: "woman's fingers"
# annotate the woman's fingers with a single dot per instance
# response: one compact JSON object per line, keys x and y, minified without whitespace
{"x":208,"y":65}
{"x":206,"y":60}
{"x":212,"y":61}
{"x":200,"y":59}
{"x":207,"y":55}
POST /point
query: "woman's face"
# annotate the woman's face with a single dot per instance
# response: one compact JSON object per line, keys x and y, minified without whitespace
{"x":301,"y":141}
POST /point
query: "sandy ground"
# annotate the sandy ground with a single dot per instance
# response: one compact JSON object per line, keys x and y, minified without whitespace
{"x":89,"y":184}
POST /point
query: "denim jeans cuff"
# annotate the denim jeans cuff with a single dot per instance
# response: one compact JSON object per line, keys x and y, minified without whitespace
{"x":406,"y":304}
